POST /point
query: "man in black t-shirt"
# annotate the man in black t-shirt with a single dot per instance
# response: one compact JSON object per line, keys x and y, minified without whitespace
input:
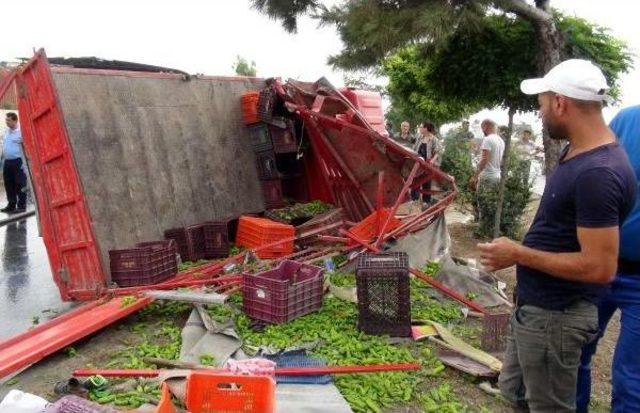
{"x":571,"y":250}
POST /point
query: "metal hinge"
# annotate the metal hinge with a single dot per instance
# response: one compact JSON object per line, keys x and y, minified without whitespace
{"x":64,"y":275}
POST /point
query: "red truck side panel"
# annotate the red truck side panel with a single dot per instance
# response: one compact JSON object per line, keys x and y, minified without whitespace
{"x":64,"y":218}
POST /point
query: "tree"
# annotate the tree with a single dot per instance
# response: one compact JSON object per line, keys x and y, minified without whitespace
{"x":243,"y":68}
{"x":371,"y":30}
{"x":446,"y":59}
{"x":484,"y":68}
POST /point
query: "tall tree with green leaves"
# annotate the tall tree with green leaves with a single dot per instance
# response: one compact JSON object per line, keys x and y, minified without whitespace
{"x":483,"y":68}
{"x":372,"y":30}
{"x":446,"y":59}
{"x":243,"y":68}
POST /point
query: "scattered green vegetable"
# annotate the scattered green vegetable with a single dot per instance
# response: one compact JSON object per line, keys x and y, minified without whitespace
{"x":12,"y":382}
{"x":207,"y":360}
{"x":235,"y":250}
{"x":295,"y":211}
{"x":70,"y":352}
{"x":431,"y":268}
{"x":127,"y":301}
{"x":220,"y":312}
{"x":342,"y":279}
{"x":191,"y":264}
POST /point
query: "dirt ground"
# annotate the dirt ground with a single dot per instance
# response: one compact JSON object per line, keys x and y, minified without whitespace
{"x":98,"y":349}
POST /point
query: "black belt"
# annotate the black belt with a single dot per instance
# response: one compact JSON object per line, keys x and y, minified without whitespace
{"x":628,"y":266}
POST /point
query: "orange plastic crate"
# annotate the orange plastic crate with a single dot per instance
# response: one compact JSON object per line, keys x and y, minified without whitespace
{"x":367,"y":229}
{"x":250,"y":107}
{"x":227,"y":393}
{"x":255,"y":232}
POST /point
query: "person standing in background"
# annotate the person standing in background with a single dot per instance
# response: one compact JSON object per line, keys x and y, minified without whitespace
{"x":405,"y":137}
{"x":429,"y":148}
{"x":15,"y":180}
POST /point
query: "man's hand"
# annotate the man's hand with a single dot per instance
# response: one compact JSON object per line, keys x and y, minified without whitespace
{"x":498,"y":254}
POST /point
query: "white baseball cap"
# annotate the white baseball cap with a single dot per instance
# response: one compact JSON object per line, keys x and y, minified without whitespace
{"x":574,"y":78}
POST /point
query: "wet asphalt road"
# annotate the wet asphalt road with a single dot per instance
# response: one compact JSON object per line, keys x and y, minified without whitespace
{"x":26,"y":287}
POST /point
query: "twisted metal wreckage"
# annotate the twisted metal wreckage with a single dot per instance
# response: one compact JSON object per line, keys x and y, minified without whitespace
{"x":349,"y":164}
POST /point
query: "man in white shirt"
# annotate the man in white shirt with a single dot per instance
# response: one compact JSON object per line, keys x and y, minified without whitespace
{"x":492,"y":148}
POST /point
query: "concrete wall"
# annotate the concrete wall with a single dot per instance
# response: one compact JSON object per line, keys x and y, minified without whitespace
{"x":154,"y":154}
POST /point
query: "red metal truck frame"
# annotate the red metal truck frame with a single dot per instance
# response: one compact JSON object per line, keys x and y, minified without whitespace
{"x":64,"y":216}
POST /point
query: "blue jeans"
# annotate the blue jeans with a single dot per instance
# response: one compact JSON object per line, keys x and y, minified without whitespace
{"x":624,"y":293}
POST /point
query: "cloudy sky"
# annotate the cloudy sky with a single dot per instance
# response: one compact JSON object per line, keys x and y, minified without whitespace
{"x":204,"y":36}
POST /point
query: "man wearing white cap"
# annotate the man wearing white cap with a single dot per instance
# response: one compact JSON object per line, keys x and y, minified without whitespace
{"x":571,"y":250}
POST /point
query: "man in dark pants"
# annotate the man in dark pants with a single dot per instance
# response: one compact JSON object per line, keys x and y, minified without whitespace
{"x":571,"y":250}
{"x":623,"y":294}
{"x":15,"y":180}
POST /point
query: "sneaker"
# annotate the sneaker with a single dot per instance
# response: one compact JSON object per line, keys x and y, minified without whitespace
{"x":7,"y":209}
{"x":19,"y":210}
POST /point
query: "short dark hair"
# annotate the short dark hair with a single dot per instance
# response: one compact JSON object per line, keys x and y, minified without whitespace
{"x":429,"y":126}
{"x":12,"y":116}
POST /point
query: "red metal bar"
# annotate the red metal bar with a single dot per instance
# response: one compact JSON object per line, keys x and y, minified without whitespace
{"x":279,"y":371}
{"x":376,"y":137}
{"x":338,"y":159}
{"x":429,"y":211}
{"x":25,"y":349}
{"x":380,"y":202}
{"x":401,"y":196}
{"x":331,"y":238}
{"x":359,"y":241}
{"x":374,"y":368}
{"x":448,"y":291}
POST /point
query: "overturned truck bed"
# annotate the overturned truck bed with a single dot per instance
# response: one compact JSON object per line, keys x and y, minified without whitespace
{"x":118,"y":157}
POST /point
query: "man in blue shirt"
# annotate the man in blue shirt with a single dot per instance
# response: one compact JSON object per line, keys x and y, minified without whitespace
{"x":570,"y":253}
{"x":15,"y":180}
{"x":623,"y":294}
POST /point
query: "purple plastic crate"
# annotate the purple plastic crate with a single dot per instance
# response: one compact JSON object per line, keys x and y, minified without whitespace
{"x":272,"y":191}
{"x":147,"y":263}
{"x":217,"y":235}
{"x":382,"y":282}
{"x":284,"y":293}
{"x":189,"y":241}
{"x":283,"y":140}
{"x":267,"y":101}
{"x":260,"y":137}
{"x":266,"y":163}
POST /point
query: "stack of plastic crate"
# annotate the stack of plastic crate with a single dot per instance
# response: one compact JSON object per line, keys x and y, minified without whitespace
{"x":255,"y":232}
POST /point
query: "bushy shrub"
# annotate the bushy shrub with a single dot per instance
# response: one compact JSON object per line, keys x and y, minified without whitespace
{"x":516,"y":197}
{"x":457,"y":162}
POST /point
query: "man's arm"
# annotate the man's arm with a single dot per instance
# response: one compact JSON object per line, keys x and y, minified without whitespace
{"x":484,"y":160}
{"x":595,"y":263}
{"x":473,"y":181}
{"x":599,"y":198}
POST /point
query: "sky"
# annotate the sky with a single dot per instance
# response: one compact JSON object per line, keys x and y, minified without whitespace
{"x":205,"y":36}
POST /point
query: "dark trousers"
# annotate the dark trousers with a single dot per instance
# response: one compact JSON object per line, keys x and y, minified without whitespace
{"x":15,"y":183}
{"x":540,"y":367}
{"x":426,"y":198}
